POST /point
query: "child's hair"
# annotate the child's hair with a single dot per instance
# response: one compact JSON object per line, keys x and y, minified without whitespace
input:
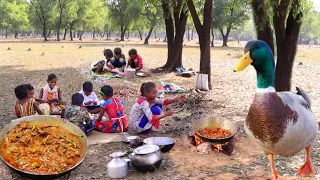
{"x":77,"y":99}
{"x":106,"y":90}
{"x":51,"y":76}
{"x":29,"y":87}
{"x":133,"y":52}
{"x":21,"y":92}
{"x":148,"y":86}
{"x":87,"y":86}
{"x":142,"y":90}
{"x":117,"y":50}
{"x":108,"y":53}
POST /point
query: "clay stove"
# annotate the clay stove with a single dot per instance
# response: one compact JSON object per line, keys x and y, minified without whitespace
{"x":207,"y":147}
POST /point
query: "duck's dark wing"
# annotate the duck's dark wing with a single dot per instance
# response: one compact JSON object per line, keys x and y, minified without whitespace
{"x":305,"y":96}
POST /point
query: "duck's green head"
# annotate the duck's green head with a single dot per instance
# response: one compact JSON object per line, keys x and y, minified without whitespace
{"x":258,"y":54}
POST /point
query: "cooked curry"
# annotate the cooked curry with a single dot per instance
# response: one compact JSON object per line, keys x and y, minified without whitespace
{"x":214,"y":133}
{"x":41,"y":148}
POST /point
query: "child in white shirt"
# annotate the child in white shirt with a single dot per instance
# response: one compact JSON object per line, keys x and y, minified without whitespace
{"x":91,"y":101}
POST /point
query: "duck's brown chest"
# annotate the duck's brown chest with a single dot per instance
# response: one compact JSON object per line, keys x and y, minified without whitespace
{"x":268,"y":117}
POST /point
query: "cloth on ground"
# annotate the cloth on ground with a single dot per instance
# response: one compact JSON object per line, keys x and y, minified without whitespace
{"x":97,"y":137}
{"x":172,"y":88}
{"x":107,"y":75}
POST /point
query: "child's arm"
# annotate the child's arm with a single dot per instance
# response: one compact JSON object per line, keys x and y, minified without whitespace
{"x":59,"y":94}
{"x":62,"y":115}
{"x":36,"y":107}
{"x":147,"y":111}
{"x":176,"y":99}
{"x":95,"y":100}
{"x":101,"y":114}
{"x":41,"y":94}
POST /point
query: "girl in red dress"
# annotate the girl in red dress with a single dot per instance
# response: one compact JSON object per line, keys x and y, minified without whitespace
{"x":114,"y":108}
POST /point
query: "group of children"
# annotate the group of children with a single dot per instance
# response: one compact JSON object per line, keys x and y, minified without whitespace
{"x":144,"y":115}
{"x":116,"y":62}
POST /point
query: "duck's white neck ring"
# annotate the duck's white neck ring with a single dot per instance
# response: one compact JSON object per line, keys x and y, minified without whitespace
{"x":269,"y":89}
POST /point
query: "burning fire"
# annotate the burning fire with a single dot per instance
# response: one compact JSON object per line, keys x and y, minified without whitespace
{"x":217,"y":147}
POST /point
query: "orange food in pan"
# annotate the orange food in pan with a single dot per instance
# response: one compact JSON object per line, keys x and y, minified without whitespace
{"x":214,"y":133}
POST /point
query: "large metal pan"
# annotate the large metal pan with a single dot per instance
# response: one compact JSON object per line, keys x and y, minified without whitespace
{"x":37,"y":119}
{"x":216,"y":122}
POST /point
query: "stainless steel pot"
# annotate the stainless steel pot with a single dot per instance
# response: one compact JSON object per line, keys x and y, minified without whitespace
{"x":42,"y":119}
{"x":165,"y":143}
{"x":117,"y":167}
{"x":146,"y":158}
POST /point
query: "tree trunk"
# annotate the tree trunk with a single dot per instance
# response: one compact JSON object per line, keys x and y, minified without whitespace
{"x":123,"y":31}
{"x":175,"y":32}
{"x":188,"y":32}
{"x":108,"y":35}
{"x":16,"y":34}
{"x":80,"y":36}
{"x":71,"y":35}
{"x":94,"y":34}
{"x":44,"y":33}
{"x":103,"y":34}
{"x":155,"y":33}
{"x":140,"y":34}
{"x":212,"y":40}
{"x":128,"y":34}
{"x":262,"y":22}
{"x":165,"y":39}
{"x":49,"y":34}
{"x":65,"y":33}
{"x":146,"y":41}
{"x":204,"y":36}
{"x":192,"y":33}
{"x":6,"y":33}
{"x":287,"y":30}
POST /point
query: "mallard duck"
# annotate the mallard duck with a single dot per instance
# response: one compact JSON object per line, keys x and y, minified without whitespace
{"x":280,"y":123}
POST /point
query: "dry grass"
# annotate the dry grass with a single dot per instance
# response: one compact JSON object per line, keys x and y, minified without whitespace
{"x":231,"y":95}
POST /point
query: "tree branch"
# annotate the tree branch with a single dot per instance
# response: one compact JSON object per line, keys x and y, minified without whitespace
{"x":37,"y":12}
{"x":195,"y":16}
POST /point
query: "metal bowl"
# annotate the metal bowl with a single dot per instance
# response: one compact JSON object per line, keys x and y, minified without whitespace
{"x":42,"y":119}
{"x":165,"y":143}
{"x":216,"y":122}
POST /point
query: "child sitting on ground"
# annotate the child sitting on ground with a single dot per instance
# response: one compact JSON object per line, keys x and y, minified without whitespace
{"x":77,"y":114}
{"x":118,"y":61}
{"x":91,"y":101}
{"x":114,"y":108}
{"x":146,"y":112}
{"x":135,"y":62}
{"x":102,"y":66}
{"x":24,"y":105}
{"x":51,"y":94}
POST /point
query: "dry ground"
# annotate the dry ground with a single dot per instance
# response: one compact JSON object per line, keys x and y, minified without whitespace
{"x":231,"y":96}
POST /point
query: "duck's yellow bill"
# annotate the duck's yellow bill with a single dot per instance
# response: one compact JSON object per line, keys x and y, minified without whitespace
{"x":245,"y":61}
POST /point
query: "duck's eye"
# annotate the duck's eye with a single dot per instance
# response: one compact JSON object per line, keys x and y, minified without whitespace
{"x":257,"y":46}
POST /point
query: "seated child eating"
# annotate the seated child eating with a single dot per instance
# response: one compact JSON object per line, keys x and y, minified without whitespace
{"x":24,"y":105}
{"x":114,"y":108}
{"x":146,"y":112}
{"x":51,"y":94}
{"x":91,"y":101}
{"x":77,"y":114}
{"x":102,"y":66}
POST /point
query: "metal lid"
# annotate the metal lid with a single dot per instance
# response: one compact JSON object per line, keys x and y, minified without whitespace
{"x":117,"y":154}
{"x":146,"y":149}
